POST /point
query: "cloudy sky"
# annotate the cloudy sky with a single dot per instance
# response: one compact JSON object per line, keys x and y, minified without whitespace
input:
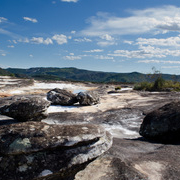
{"x":101,"y":35}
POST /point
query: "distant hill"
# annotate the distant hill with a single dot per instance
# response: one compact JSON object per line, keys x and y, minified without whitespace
{"x":74,"y":74}
{"x":4,"y":72}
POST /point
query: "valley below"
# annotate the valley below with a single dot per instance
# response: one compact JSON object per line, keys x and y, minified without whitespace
{"x":120,"y":113}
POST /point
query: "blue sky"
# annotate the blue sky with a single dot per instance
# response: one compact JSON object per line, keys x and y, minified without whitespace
{"x":100,"y":35}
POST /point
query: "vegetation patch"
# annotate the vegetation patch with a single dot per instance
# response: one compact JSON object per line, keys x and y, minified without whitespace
{"x":158,"y":85}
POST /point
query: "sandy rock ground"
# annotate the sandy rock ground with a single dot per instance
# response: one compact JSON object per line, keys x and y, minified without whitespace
{"x":131,"y":156}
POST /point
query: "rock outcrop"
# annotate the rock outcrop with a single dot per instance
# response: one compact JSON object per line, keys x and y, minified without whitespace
{"x":36,"y":150}
{"x":25,"y":108}
{"x":163,"y":124}
{"x":88,"y":98}
{"x":109,"y":168}
{"x":61,"y":97}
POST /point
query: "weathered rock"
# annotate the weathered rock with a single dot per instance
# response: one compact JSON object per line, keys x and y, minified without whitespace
{"x":155,"y":161}
{"x":135,"y":159}
{"x":88,"y":98}
{"x":30,"y":108}
{"x":61,"y":97}
{"x":163,"y":124}
{"x":109,"y":168}
{"x":33,"y":149}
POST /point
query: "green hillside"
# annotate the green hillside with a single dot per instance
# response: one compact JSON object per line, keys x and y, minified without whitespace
{"x":74,"y":74}
{"x":4,"y":72}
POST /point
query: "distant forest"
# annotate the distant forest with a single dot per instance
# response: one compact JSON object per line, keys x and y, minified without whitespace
{"x":74,"y":74}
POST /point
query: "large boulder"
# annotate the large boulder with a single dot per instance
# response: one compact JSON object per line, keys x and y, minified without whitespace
{"x":88,"y":98}
{"x":25,"y":108}
{"x":61,"y":97}
{"x":36,"y":150}
{"x":162,"y":124}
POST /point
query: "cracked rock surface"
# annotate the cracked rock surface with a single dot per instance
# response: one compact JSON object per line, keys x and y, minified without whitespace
{"x":33,"y":150}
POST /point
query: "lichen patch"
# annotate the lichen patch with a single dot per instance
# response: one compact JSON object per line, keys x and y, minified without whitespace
{"x":20,"y":145}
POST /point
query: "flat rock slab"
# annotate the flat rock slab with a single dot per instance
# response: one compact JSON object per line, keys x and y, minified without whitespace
{"x":109,"y":168}
{"x":135,"y":160}
{"x":155,"y":161}
{"x":32,"y":150}
{"x":121,"y":123}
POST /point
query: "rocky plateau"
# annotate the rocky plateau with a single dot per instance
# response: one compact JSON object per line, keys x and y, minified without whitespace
{"x":99,"y":141}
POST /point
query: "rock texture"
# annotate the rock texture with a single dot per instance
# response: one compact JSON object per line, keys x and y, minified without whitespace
{"x":36,"y":150}
{"x":29,"y":108}
{"x":163,"y":124}
{"x":109,"y":168}
{"x":88,"y":98}
{"x":135,"y":159}
{"x":61,"y":97}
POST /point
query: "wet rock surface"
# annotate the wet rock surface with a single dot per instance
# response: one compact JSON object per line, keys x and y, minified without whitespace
{"x":30,"y":150}
{"x":61,"y":97}
{"x":24,"y":108}
{"x":163,"y":124}
{"x":121,"y":123}
{"x":88,"y":98}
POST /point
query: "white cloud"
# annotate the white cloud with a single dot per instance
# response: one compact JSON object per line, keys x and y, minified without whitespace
{"x":2,"y":52}
{"x":107,"y":37}
{"x":24,"y":40}
{"x":73,"y":32}
{"x":60,"y":39}
{"x":72,"y":57}
{"x":107,"y":40}
{"x":40,"y":40}
{"x":14,"y":41}
{"x":2,"y":19}
{"x":171,"y":41}
{"x":104,"y":57}
{"x":128,"y":42}
{"x":106,"y":43}
{"x":159,"y":61}
{"x":48,"y":41}
{"x":8,"y":33}
{"x":95,"y":50}
{"x":146,"y":52}
{"x":10,"y":46}
{"x":83,"y":40}
{"x":37,"y":40}
{"x":151,"y":20}
{"x":30,"y":19}
{"x":31,"y":56}
{"x":70,"y":1}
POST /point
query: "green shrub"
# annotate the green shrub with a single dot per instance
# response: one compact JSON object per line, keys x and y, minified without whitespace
{"x":159,"y":84}
{"x":145,"y":86}
{"x":118,"y":88}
